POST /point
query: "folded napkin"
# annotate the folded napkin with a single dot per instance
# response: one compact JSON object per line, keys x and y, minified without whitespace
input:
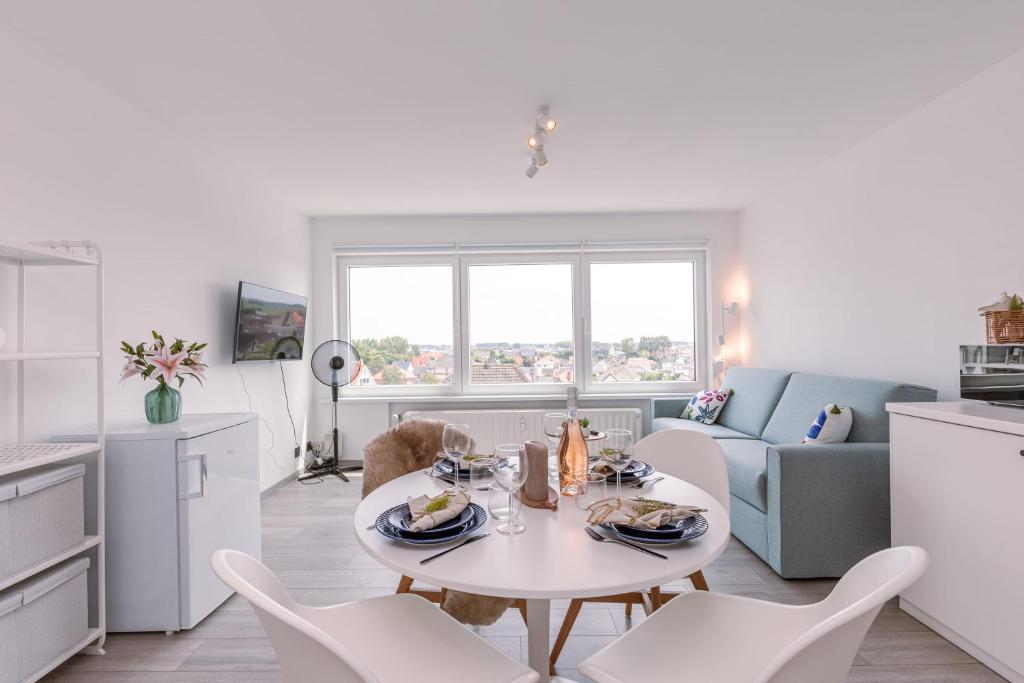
{"x":428,"y":512}
{"x":639,"y":513}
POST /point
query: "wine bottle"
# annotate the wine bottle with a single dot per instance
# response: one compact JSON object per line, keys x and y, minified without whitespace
{"x":573,"y":456}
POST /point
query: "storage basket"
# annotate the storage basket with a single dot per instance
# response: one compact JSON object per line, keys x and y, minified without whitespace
{"x":42,"y":513}
{"x":54,"y":616}
{"x":1004,"y":327}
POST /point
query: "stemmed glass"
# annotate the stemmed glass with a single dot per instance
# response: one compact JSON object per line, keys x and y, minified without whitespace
{"x":617,"y":453}
{"x":554,"y":427}
{"x":455,"y":444}
{"x":510,"y":475}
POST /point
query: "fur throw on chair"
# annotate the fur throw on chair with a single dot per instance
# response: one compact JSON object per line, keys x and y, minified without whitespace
{"x":411,"y":446}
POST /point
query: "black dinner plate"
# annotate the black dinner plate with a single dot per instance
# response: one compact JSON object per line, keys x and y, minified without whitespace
{"x":401,"y":519}
{"x":635,"y":470}
{"x":387,"y":529}
{"x":697,"y":527}
{"x":446,"y":467}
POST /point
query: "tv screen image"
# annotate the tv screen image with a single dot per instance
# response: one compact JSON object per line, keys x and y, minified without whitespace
{"x":993,"y":373}
{"x":270,"y":324}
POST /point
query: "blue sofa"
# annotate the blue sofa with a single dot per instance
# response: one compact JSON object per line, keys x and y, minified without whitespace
{"x":808,"y":511}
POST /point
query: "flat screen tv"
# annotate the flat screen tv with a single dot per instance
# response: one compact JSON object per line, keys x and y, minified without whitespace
{"x":993,"y":373}
{"x":269,"y":325}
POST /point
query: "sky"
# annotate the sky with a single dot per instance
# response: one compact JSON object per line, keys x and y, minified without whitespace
{"x":520,"y":303}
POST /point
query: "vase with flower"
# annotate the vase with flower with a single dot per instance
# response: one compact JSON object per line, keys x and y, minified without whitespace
{"x":166,"y":364}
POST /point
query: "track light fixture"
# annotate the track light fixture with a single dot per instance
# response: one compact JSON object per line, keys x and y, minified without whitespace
{"x":544,"y":125}
{"x":545,"y":121}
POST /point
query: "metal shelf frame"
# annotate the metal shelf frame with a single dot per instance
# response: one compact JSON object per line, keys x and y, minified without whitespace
{"x":23,"y":456}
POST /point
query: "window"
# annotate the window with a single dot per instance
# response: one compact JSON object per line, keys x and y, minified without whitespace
{"x":520,"y":324}
{"x":642,"y":322}
{"x":525,"y":320}
{"x":400,"y":321}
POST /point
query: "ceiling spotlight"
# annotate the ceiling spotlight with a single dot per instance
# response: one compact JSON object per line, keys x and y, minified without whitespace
{"x":536,"y":140}
{"x":539,"y":157}
{"x":531,"y":170}
{"x":545,"y":121}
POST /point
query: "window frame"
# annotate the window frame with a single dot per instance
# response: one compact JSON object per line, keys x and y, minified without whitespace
{"x":697,"y":259}
{"x":343,"y":323}
{"x":513,"y":259}
{"x":580,"y":259}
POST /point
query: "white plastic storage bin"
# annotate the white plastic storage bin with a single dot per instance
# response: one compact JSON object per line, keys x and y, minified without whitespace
{"x":10,"y":602}
{"x":42,"y":513}
{"x":54,"y":615}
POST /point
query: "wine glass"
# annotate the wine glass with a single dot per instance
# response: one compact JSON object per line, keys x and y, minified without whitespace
{"x":617,"y":453}
{"x":554,"y":427}
{"x":596,"y":490}
{"x":455,"y":444}
{"x":497,"y":505}
{"x":510,"y":475}
{"x":481,"y":473}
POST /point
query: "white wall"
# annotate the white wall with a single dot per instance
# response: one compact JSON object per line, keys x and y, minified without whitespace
{"x":874,"y":264}
{"x":76,"y":162}
{"x":363,"y":420}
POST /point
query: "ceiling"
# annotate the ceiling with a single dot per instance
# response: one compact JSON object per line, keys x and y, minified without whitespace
{"x":409,"y":107}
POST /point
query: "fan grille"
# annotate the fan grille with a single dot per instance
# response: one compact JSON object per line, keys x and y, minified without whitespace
{"x":336,"y":363}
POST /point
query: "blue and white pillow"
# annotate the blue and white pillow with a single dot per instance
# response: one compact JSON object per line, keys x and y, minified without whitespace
{"x":833,"y":425}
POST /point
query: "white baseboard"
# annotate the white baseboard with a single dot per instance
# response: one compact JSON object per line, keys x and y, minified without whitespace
{"x":967,"y":646}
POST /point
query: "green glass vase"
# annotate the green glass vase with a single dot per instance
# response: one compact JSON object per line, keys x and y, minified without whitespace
{"x":163,"y":405}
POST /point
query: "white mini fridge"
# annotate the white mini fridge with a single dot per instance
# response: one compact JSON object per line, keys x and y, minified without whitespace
{"x":176,"y":493}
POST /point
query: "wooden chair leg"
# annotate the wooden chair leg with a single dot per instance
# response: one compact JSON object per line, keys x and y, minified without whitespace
{"x":629,"y":609}
{"x":404,"y":584}
{"x":521,"y":606}
{"x":563,"y":633}
{"x":699,"y":582}
{"x":656,"y":597}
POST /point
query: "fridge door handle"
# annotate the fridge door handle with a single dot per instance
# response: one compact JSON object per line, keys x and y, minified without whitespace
{"x":184,"y":470}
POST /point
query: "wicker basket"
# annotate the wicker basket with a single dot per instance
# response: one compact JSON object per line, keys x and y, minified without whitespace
{"x":1004,"y":327}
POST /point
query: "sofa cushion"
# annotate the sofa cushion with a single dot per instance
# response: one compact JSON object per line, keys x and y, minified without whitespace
{"x":755,"y":394}
{"x":746,"y":461}
{"x":806,"y":393}
{"x":715,"y":431}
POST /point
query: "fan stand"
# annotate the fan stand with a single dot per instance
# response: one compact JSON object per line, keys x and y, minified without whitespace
{"x":334,"y":469}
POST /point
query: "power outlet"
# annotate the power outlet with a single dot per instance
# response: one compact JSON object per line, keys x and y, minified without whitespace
{"x":298,"y":452}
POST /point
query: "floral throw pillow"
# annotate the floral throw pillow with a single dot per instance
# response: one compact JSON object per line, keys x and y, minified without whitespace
{"x":706,"y":406}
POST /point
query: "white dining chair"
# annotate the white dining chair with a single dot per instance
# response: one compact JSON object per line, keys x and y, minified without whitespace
{"x":684,"y":454}
{"x":704,"y":636}
{"x":391,"y":639}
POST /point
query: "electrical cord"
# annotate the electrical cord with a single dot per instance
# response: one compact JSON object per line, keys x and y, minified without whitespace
{"x":266,"y":423}
{"x":288,"y":405}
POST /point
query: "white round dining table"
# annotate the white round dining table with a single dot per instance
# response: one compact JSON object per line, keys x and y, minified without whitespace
{"x":553,"y":558}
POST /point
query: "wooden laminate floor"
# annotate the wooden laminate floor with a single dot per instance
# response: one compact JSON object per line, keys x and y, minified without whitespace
{"x":309,"y":541}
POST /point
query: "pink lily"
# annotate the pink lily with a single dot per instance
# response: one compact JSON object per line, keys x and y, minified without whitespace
{"x":167,"y":363}
{"x":196,"y":367}
{"x":130,"y":370}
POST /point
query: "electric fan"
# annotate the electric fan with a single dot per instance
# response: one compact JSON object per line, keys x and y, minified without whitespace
{"x":336,"y":363}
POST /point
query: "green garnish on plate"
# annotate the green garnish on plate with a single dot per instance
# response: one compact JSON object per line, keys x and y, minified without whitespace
{"x":436,"y":505}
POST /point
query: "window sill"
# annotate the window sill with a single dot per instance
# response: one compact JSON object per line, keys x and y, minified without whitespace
{"x":505,"y":398}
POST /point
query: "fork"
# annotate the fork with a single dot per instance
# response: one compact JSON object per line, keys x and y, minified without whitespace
{"x":642,"y":482}
{"x":598,"y":537}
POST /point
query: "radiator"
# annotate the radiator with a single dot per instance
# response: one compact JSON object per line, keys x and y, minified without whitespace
{"x":492,"y":427}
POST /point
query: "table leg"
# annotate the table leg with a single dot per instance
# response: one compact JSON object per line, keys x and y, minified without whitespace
{"x":538,"y":613}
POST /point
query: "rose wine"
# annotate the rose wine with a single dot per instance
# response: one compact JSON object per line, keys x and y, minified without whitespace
{"x":573,"y":456}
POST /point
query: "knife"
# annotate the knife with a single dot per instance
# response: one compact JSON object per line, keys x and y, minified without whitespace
{"x":469,"y":540}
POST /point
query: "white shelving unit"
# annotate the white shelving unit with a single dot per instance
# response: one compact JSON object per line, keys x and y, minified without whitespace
{"x":26,"y":455}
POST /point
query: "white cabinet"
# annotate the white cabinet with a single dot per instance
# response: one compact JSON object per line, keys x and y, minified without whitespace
{"x":957,"y":485}
{"x":176,"y":493}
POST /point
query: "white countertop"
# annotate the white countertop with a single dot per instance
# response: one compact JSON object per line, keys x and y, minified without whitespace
{"x":967,"y":413}
{"x":139,"y":429}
